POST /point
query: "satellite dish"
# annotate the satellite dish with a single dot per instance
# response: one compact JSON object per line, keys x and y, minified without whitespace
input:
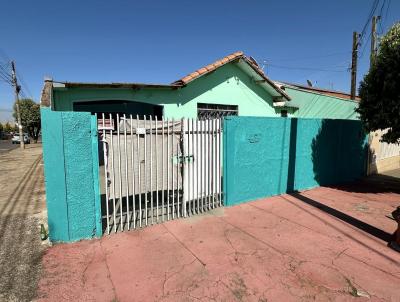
{"x":309,"y":83}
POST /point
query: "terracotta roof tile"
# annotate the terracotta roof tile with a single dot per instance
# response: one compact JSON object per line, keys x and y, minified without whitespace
{"x":202,"y":70}
{"x":224,"y":60}
{"x":229,"y":58}
{"x":209,"y":68}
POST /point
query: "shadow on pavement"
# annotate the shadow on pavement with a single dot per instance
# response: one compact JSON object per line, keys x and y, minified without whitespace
{"x":372,"y":184}
{"x":378,"y":233}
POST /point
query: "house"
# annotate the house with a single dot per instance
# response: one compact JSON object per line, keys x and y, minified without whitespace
{"x":233,"y":85}
{"x":101,"y":173}
{"x":312,"y":102}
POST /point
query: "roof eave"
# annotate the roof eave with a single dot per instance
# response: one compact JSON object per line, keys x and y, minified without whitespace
{"x":264,"y":77}
{"x":57,"y":84}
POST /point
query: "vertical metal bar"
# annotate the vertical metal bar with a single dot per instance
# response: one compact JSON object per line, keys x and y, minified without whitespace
{"x":209,"y":164}
{"x":197,"y":166}
{"x":189,"y":170}
{"x":151,"y":169}
{"x":113,"y":174}
{"x":211,"y":161}
{"x":156,"y":142}
{"x":202,"y":163}
{"x":193,"y":165}
{"x":221,"y":196}
{"x":145,"y":170}
{"x":162,"y":169}
{"x":219,"y":161}
{"x":177,"y":177}
{"x":215,"y":161}
{"x":139,"y":176}
{"x":105,"y":162}
{"x":183,"y":166}
{"x":167,"y":159}
{"x":172,"y":171}
{"x":133,"y":175}
{"x":119,"y":175}
{"x":126,"y":176}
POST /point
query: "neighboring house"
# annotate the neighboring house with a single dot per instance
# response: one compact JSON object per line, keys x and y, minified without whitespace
{"x":234,"y":85}
{"x":383,"y":156}
{"x":314,"y":102}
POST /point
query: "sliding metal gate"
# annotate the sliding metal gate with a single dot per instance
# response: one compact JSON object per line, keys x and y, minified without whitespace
{"x":155,"y":171}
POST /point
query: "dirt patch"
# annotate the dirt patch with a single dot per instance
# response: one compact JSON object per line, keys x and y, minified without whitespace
{"x":22,"y":204}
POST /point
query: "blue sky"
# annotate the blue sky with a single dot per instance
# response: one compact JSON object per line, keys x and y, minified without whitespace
{"x":161,"y":41}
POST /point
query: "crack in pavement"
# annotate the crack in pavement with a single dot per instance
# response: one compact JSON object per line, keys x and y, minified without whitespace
{"x":182,"y":244}
{"x":108,"y":271}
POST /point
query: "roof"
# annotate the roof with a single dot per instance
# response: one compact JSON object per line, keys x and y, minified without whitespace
{"x":334,"y":93}
{"x":234,"y":57}
{"x":211,"y":67}
{"x":247,"y":64}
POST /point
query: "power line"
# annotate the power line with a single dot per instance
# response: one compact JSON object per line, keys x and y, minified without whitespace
{"x":386,"y":14}
{"x":365,"y":46}
{"x":371,"y":13}
{"x":5,"y":74}
{"x":24,"y":85}
{"x":307,"y":68}
{"x":307,"y":58}
{"x":380,"y":16}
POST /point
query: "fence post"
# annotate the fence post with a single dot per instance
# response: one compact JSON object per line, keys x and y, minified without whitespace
{"x":96,"y":174}
{"x":225,"y":195}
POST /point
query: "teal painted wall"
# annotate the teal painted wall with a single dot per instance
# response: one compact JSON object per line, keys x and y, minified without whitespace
{"x":54,"y":172}
{"x":271,"y":156}
{"x":71,"y":174}
{"x":315,"y":105}
{"x":227,"y":85}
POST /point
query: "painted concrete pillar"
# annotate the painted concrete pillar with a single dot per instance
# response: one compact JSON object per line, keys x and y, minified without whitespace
{"x":71,"y":175}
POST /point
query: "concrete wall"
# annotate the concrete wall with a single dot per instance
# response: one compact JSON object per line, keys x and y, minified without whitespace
{"x":316,"y":105}
{"x":227,"y":85}
{"x":270,"y":156}
{"x":383,"y":156}
{"x":71,"y":174}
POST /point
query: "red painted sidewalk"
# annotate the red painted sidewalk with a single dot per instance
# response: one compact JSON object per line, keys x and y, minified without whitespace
{"x":276,"y":249}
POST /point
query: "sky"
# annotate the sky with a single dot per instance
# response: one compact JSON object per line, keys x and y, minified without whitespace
{"x":161,"y":41}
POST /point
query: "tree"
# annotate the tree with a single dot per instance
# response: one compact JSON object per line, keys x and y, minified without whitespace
{"x":7,"y":127}
{"x":1,"y":130}
{"x":380,"y":89}
{"x":30,"y":117}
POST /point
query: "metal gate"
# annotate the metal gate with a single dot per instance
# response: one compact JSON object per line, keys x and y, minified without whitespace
{"x":157,"y":170}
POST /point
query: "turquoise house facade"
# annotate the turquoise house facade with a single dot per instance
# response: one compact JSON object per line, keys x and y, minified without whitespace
{"x":233,"y":85}
{"x":235,"y":81}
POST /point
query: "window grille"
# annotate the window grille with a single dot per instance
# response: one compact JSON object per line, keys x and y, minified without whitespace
{"x":212,"y":111}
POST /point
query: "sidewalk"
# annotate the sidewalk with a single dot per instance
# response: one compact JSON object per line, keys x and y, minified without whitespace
{"x":22,"y":204}
{"x":323,"y":244}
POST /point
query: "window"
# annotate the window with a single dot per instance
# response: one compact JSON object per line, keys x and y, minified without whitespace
{"x":283,"y":113}
{"x":210,"y":111}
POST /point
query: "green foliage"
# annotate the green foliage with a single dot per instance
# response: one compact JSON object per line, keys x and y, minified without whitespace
{"x":30,"y":117}
{"x":380,"y":89}
{"x":7,"y":127}
{"x":1,"y":128}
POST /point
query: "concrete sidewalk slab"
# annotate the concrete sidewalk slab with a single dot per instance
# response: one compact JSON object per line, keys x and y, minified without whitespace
{"x":275,"y":249}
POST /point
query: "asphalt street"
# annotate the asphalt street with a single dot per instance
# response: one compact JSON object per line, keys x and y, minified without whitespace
{"x":6,"y":145}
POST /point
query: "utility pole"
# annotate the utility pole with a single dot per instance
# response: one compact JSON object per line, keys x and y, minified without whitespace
{"x":374,"y":39}
{"x":17,"y":88}
{"x":354,"y":66}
